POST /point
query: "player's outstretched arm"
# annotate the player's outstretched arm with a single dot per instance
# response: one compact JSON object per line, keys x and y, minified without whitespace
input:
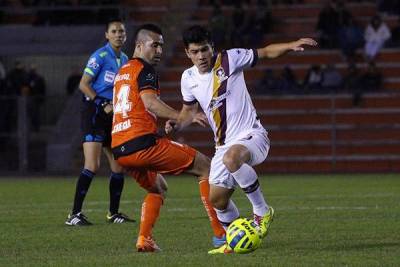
{"x":155,"y":105}
{"x":187,"y":116}
{"x":279,"y":49}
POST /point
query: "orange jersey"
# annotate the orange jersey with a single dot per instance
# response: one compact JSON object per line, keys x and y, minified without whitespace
{"x":134,"y":128}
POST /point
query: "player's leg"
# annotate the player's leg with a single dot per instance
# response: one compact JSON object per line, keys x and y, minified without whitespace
{"x":92,"y":153}
{"x":116,"y":186}
{"x":239,"y":160}
{"x":222,"y":187}
{"x":201,"y":169}
{"x":156,"y":187}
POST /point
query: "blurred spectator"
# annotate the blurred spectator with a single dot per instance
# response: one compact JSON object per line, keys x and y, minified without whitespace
{"x":218,"y":26}
{"x":73,"y":80}
{"x":395,"y":40}
{"x":350,"y":38}
{"x":332,"y":79}
{"x":253,"y":31}
{"x":16,"y":84}
{"x":376,"y":34}
{"x":3,"y":99}
{"x":287,"y":82}
{"x":344,"y":15}
{"x":372,"y":78}
{"x":353,"y":83}
{"x":352,"y":79}
{"x":17,"y":80}
{"x":312,"y":81}
{"x":389,"y":7}
{"x":268,"y":84}
{"x":328,"y":24}
{"x":239,"y":23}
{"x":2,"y":78}
{"x":37,"y":86}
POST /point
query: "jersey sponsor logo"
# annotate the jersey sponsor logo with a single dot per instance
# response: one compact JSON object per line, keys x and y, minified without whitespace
{"x":216,"y":102}
{"x":122,"y":77}
{"x":121,"y":126}
{"x":221,"y":75}
{"x":150,"y":77}
{"x":109,"y":76}
{"x":92,"y":63}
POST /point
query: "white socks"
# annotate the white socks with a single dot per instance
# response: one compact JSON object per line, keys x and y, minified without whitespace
{"x":227,"y":215}
{"x":247,"y":179}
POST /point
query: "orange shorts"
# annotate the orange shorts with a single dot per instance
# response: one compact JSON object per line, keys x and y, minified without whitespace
{"x":165,"y":157}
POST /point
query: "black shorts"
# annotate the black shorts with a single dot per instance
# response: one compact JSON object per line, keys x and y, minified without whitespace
{"x":95,"y":124}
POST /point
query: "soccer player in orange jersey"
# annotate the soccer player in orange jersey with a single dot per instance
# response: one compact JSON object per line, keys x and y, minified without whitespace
{"x":136,"y":145}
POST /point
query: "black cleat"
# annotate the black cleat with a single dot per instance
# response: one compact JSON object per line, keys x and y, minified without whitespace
{"x":78,"y":219}
{"x":118,"y":218}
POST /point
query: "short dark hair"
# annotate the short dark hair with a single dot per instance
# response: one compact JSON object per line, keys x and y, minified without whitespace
{"x":148,"y":27}
{"x":196,"y":34}
{"x":111,"y":21}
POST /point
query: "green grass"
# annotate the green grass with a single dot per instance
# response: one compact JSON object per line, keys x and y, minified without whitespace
{"x":340,"y":220}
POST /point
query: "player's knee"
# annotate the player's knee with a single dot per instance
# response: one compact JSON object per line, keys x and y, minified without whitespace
{"x":202,"y":165}
{"x":231,"y":162}
{"x":92,"y":166}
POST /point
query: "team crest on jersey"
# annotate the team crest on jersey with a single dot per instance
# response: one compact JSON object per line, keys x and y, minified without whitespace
{"x":221,"y":75}
{"x":92,"y":63}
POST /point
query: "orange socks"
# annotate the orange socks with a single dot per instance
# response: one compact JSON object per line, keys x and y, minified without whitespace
{"x":150,"y":211}
{"x":205,"y":193}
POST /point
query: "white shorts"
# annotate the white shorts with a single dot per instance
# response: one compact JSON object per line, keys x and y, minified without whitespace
{"x":257,"y":143}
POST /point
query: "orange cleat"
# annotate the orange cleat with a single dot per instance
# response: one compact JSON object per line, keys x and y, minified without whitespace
{"x":146,"y":244}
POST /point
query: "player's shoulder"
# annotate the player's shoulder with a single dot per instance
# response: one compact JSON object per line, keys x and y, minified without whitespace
{"x":189,"y":73}
{"x":238,"y":52}
{"x":124,"y":56}
{"x":100,"y":52}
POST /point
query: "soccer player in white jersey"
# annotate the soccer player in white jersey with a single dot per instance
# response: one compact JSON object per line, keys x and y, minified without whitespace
{"x":216,"y":83}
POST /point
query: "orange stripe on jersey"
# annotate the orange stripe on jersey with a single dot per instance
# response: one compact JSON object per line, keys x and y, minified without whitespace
{"x":131,"y":119}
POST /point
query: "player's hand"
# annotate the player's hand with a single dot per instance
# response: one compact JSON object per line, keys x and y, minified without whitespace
{"x":201,"y":119}
{"x":104,"y":104}
{"x":108,"y":109}
{"x":171,"y":126}
{"x":298,"y":45}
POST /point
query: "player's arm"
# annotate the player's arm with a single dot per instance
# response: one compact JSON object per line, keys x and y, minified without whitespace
{"x":187,"y":116}
{"x":155,"y":105}
{"x":86,"y":88}
{"x":279,"y":49}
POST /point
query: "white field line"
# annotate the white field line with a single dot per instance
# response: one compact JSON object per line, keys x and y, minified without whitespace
{"x":180,"y":199}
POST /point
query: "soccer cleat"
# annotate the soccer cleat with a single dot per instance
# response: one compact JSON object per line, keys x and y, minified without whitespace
{"x":118,"y":218}
{"x":146,"y":244}
{"x":78,"y":219}
{"x":224,"y":249}
{"x":264,"y":222}
{"x":218,"y":241}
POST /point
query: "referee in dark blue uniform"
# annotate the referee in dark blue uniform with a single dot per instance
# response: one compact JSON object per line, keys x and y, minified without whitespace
{"x":97,"y":86}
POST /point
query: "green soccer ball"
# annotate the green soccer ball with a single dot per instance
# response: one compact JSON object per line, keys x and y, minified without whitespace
{"x":242,"y":236}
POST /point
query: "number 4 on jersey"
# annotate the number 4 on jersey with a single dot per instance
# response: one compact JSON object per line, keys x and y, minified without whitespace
{"x":123,"y":105}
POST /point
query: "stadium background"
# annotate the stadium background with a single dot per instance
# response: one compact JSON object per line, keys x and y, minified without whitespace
{"x":323,"y":131}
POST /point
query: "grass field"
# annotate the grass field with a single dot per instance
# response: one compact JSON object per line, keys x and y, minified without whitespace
{"x":341,"y":220}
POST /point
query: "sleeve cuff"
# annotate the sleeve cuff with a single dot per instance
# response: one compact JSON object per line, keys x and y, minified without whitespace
{"x":255,"y":57}
{"x":189,"y":103}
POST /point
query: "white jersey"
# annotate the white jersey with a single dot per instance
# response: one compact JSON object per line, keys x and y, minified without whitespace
{"x":223,"y":95}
